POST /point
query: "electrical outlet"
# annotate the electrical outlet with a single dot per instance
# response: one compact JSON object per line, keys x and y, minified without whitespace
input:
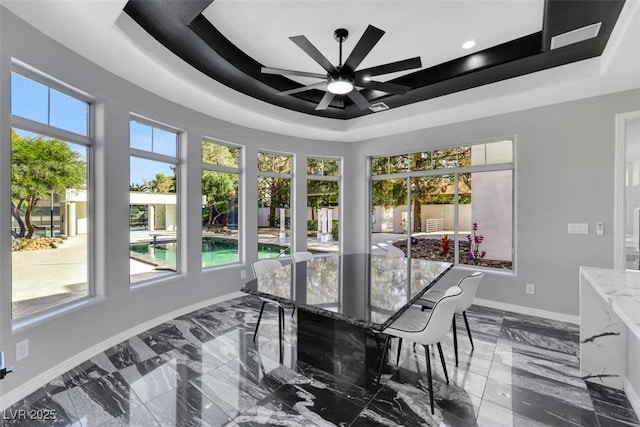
{"x":22,"y":349}
{"x":530,"y":288}
{"x":243,"y":274}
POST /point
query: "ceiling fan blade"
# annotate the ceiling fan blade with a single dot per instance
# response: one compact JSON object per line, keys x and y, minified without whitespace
{"x":320,"y":85}
{"x":368,"y":40}
{"x":304,"y":44}
{"x":267,"y":70}
{"x":325,"y":101}
{"x":358,"y":99}
{"x":394,"y":88}
{"x":392,"y":67}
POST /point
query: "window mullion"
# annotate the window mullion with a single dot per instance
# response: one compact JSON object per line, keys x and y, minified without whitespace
{"x":50,"y":131}
{"x":456,"y":217}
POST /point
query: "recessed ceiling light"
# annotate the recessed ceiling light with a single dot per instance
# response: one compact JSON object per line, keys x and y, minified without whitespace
{"x":468,"y":44}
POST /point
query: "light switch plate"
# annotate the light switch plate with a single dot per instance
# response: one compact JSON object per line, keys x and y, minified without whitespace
{"x":578,"y":228}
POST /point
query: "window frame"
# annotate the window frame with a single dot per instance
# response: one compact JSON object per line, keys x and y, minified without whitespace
{"x":291,"y":177}
{"x":177,"y":161}
{"x":31,"y":73}
{"x":87,"y":141}
{"x":240,"y":171}
{"x":455,"y":172}
{"x":331,"y":178}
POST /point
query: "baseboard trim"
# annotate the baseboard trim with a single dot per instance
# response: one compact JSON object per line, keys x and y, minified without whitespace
{"x":528,"y":310}
{"x":633,"y":397}
{"x":35,"y":383}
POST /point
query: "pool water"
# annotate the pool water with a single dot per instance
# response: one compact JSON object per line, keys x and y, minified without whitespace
{"x":214,"y":251}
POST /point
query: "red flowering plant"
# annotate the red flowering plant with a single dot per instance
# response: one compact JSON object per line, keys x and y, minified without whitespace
{"x":474,"y":254}
{"x":445,"y":242}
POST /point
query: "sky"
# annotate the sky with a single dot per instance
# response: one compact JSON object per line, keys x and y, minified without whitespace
{"x":39,"y":103}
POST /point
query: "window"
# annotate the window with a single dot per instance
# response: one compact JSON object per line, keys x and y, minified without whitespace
{"x":323,"y":203}
{"x":628,"y":206}
{"x":274,"y":203}
{"x":50,"y":195}
{"x":153,"y":201}
{"x":220,"y":202}
{"x":452,"y":204}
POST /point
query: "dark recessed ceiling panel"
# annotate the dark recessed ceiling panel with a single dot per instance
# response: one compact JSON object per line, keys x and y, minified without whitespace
{"x":181,"y":27}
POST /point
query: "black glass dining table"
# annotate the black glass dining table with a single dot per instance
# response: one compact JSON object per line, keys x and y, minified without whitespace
{"x":343,"y":302}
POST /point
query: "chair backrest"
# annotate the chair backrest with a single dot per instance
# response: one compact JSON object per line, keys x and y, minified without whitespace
{"x":469,"y":286}
{"x":264,"y":266}
{"x":377,"y":250}
{"x":301,"y":256}
{"x":440,"y":319}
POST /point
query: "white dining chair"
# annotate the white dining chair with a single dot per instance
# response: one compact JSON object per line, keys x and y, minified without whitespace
{"x":377,"y":250}
{"x":425,"y":328}
{"x":301,"y":256}
{"x":260,"y":268}
{"x":391,"y":250}
{"x":264,"y":266}
{"x":469,"y":286}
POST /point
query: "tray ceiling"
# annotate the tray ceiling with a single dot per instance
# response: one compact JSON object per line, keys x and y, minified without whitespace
{"x":230,"y":41}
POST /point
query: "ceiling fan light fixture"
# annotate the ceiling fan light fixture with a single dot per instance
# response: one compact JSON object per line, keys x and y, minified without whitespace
{"x":468,"y":44}
{"x":340,"y":85}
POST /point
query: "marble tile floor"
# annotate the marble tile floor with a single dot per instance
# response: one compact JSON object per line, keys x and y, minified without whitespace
{"x":204,"y":369}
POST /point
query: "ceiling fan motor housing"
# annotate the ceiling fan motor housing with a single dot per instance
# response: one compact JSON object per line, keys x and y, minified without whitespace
{"x":340,"y":35}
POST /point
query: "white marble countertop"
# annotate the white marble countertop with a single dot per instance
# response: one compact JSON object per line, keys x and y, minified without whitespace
{"x":621,"y":289}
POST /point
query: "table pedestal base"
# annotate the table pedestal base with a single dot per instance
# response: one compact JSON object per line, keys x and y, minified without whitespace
{"x":347,"y":351}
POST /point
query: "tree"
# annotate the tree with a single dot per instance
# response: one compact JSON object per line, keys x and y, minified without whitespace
{"x":220,"y":191}
{"x":424,"y":190}
{"x":322,"y":194}
{"x":161,"y":184}
{"x":219,"y":188}
{"x":40,"y":167}
{"x":274,"y":192}
{"x":141,"y":188}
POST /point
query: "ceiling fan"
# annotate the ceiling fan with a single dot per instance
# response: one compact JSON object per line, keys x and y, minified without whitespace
{"x":345,"y":79}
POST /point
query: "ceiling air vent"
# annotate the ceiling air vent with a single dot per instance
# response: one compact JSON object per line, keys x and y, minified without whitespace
{"x":575,"y":36}
{"x":378,"y":106}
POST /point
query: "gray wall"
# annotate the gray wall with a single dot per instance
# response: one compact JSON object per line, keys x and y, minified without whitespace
{"x":118,"y":308}
{"x":564,"y":173}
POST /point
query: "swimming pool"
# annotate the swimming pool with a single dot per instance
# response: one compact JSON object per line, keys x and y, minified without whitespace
{"x":215,"y":251}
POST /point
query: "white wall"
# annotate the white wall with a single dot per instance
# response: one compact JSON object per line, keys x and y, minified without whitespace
{"x":492,"y":202}
{"x":448,"y":213}
{"x":564,"y":156}
{"x":118,"y":308}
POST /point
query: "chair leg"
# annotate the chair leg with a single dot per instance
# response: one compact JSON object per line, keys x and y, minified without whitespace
{"x":293,"y":311}
{"x":255,"y":332}
{"x":280,"y":329}
{"x":384,"y":354}
{"x":444,"y":365}
{"x":399,"y":348}
{"x":428,"y":357}
{"x":466,"y":322}
{"x":455,"y":338}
